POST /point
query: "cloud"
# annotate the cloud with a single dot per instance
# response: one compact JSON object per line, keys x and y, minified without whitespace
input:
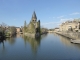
{"x":65,"y":19}
{"x":59,"y":22}
{"x":51,"y":17}
{"x":49,"y":23}
{"x":76,"y":13}
{"x":60,"y":17}
{"x":56,"y":24}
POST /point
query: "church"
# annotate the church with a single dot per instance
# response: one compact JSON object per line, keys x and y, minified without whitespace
{"x":34,"y":25}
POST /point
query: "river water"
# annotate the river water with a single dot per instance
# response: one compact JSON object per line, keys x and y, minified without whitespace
{"x":48,"y":47}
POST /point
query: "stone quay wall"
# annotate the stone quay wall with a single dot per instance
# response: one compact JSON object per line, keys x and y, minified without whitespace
{"x":71,"y":35}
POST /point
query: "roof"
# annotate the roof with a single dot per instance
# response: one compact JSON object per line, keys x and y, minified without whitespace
{"x":34,"y":15}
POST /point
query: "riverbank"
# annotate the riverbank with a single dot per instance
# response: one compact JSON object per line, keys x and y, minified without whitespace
{"x":74,"y":36}
{"x":71,"y":35}
{"x":33,"y":35}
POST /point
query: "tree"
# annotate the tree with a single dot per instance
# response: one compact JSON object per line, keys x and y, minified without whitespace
{"x":25,"y":23}
{"x":3,"y":27}
{"x":38,"y":23}
{"x":11,"y":31}
{"x":25,"y":26}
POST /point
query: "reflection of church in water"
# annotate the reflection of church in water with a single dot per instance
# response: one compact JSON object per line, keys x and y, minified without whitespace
{"x":34,"y":43}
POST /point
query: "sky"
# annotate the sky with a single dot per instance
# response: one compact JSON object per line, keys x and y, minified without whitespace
{"x":51,"y":13}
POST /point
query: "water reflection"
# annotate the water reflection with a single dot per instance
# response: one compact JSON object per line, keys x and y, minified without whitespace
{"x":11,"y":41}
{"x":47,"y":47}
{"x":19,"y":35}
{"x":2,"y":42}
{"x":2,"y":46}
{"x":34,"y":42}
{"x":66,"y":41}
{"x":44,"y":36}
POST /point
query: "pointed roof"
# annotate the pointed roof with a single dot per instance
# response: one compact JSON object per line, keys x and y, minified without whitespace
{"x":34,"y":15}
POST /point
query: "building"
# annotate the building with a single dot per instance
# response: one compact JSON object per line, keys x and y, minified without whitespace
{"x":18,"y":30}
{"x":34,"y":26}
{"x":56,"y":30}
{"x":70,"y":26}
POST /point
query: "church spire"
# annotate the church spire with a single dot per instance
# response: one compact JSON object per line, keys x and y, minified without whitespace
{"x":34,"y":17}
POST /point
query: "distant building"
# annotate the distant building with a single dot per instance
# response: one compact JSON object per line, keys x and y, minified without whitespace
{"x":56,"y":30}
{"x":34,"y":25}
{"x":18,"y":29}
{"x":70,"y":26}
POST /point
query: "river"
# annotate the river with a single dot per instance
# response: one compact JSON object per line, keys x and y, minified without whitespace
{"x":49,"y":47}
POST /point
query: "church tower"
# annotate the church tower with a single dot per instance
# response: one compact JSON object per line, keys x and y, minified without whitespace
{"x":34,"y":17}
{"x":34,"y":26}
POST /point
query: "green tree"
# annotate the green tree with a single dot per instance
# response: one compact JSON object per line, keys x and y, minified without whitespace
{"x":12,"y":30}
{"x":3,"y":28}
{"x":25,"y":26}
{"x":39,"y":26}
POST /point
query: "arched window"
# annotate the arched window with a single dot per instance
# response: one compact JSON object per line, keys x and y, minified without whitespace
{"x":75,"y":26}
{"x":70,"y":28}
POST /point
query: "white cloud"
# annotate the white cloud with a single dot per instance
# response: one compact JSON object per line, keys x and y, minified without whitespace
{"x":76,"y":13}
{"x":59,"y":22}
{"x":49,"y":23}
{"x":53,"y":17}
{"x":60,"y":17}
{"x":65,"y":19}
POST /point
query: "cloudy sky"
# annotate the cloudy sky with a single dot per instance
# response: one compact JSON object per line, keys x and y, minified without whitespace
{"x":51,"y":12}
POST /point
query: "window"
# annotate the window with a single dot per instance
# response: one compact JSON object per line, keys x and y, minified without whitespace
{"x":75,"y":26}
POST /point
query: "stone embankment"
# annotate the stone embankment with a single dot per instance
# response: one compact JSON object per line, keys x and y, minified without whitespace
{"x":72,"y":35}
